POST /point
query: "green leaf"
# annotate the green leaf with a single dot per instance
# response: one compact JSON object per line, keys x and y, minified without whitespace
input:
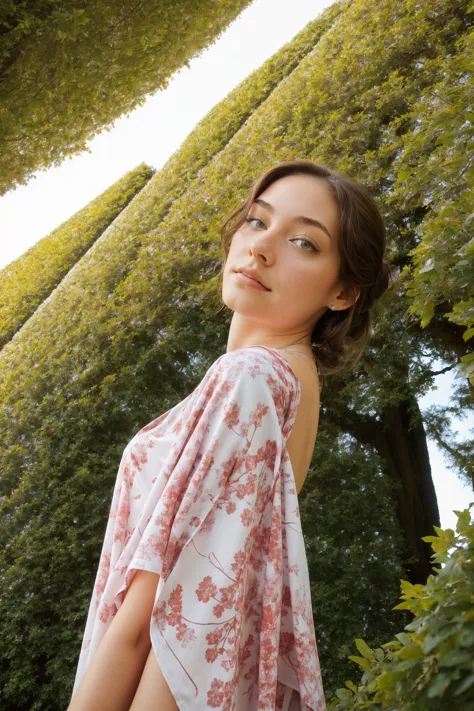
{"x":407,"y":664}
{"x":361,"y":661}
{"x":464,"y":517}
{"x":433,"y":639}
{"x":413,"y":652}
{"x":387,"y":679}
{"x":407,"y":605}
{"x":464,"y":685}
{"x":350,"y":685}
{"x":415,"y":624}
{"x":404,"y":638}
{"x":344,"y":694}
{"x":455,"y":657}
{"x":364,"y":649}
{"x":438,"y":685}
{"x":411,"y":591}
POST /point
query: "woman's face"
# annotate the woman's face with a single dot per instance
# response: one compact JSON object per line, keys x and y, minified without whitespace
{"x":295,"y":258}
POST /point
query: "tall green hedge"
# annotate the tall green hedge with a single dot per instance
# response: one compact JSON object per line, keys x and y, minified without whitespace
{"x":27,"y":281}
{"x":135,"y":324}
{"x":69,"y":70}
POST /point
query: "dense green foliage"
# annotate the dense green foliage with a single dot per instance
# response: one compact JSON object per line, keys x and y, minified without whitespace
{"x":133,"y":327}
{"x":430,"y":667}
{"x":68,"y":70}
{"x":26,"y":282}
{"x":442,"y":269}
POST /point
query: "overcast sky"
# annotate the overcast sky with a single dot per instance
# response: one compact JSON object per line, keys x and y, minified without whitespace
{"x":153,"y":132}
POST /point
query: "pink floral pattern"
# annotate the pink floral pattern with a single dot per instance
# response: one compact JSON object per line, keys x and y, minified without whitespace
{"x":205,"y":496}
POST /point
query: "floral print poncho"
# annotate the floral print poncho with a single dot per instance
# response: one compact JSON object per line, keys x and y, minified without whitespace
{"x":205,"y":496}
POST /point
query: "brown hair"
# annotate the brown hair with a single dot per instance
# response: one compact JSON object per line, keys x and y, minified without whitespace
{"x":338,"y":337}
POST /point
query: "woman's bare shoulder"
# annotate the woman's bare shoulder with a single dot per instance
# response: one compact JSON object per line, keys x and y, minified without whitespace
{"x":305,"y":370}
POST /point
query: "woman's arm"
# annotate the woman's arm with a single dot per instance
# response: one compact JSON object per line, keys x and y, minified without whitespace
{"x":112,"y":677}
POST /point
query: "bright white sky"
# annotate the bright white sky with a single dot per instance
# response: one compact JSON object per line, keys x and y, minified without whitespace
{"x":153,"y":132}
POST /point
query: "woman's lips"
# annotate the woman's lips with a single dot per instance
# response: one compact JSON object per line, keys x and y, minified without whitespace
{"x":250,"y":282}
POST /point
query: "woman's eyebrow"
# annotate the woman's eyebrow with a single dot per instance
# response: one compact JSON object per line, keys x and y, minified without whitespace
{"x":299,"y":218}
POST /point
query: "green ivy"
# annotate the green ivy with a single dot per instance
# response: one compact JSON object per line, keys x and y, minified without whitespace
{"x":131,"y":328}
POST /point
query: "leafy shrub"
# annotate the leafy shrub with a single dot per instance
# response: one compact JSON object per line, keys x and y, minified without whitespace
{"x":431,"y":664}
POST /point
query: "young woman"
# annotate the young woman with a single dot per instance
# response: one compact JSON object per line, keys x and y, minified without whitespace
{"x":202,"y":596}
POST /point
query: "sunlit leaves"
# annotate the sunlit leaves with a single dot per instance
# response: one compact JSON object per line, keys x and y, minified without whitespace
{"x":30,"y":279}
{"x":429,"y":667}
{"x":67,"y":73}
{"x":132,"y":327}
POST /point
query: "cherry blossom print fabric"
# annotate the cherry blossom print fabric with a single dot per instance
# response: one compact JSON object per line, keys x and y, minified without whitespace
{"x":205,"y":497}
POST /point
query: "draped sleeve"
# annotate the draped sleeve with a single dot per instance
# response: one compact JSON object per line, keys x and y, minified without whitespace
{"x":206,"y":498}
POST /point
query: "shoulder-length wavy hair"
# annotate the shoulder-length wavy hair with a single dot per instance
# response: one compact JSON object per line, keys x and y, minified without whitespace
{"x":338,"y":337}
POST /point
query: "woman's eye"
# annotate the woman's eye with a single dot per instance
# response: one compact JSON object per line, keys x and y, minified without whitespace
{"x":253,"y":219}
{"x":301,"y":239}
{"x":298,"y":239}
